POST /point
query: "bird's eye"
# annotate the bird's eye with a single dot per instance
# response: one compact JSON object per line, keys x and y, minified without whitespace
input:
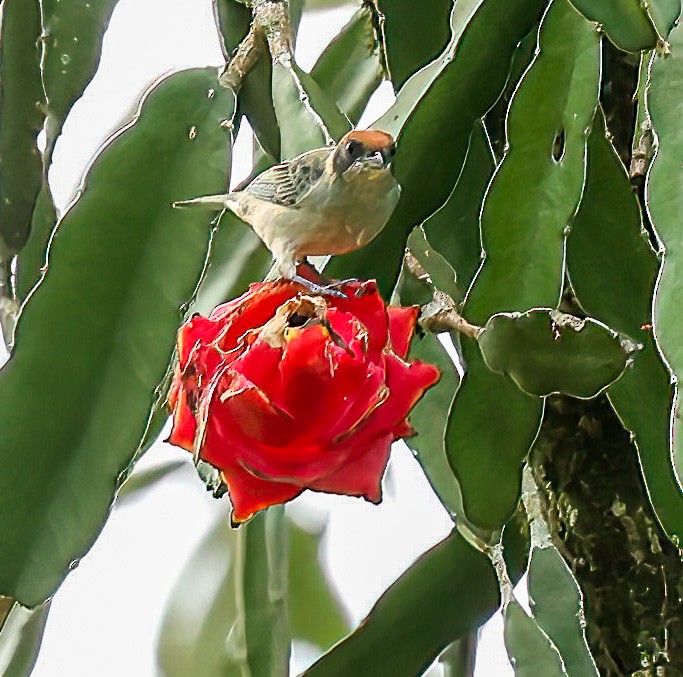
{"x":353,"y":147}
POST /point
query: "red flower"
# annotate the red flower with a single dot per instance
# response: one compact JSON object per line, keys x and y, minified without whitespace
{"x":284,"y":391}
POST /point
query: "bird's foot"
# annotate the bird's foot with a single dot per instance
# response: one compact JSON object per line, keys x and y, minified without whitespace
{"x":323,"y":290}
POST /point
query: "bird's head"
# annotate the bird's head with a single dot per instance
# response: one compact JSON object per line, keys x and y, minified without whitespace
{"x":360,"y":150}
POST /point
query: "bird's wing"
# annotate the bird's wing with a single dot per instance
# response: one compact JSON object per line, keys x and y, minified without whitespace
{"x":288,"y":182}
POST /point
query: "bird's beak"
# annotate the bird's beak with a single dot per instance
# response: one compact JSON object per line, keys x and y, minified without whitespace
{"x":375,"y":159}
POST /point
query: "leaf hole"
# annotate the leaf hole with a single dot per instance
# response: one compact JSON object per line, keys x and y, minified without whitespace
{"x":559,"y":145}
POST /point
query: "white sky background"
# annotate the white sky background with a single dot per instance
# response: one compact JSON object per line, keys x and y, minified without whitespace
{"x":104,"y":620}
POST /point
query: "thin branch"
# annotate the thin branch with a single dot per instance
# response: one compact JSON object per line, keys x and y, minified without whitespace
{"x":441,"y":315}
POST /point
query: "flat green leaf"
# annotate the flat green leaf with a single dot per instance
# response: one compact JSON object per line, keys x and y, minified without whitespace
{"x":538,"y":186}
{"x":307,"y":118}
{"x":665,"y":204}
{"x":21,"y":119}
{"x":613,"y":269}
{"x":459,"y":659}
{"x":442,"y":276}
{"x":632,"y":25}
{"x":531,"y":652}
{"x":413,"y":38}
{"x":454,"y":229}
{"x":227,"y":614}
{"x":349,"y":69}
{"x":440,"y":108}
{"x":72,"y":40}
{"x":95,"y":340}
{"x":315,"y":613}
{"x":491,"y":427}
{"x":256,"y":93}
{"x":20,"y":639}
{"x":32,"y":257}
{"x":449,"y":591}
{"x":557,"y":606}
{"x":429,"y":418}
{"x":546,"y":352}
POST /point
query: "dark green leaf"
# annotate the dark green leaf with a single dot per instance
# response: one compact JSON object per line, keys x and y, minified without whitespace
{"x":491,"y":427}
{"x":557,"y":605}
{"x":227,"y":614}
{"x":349,"y":69}
{"x":21,"y":118}
{"x":95,"y":339}
{"x":435,"y":113}
{"x":429,"y":419}
{"x":413,"y":38}
{"x":458,"y":660}
{"x":665,"y":203}
{"x":454,"y":229}
{"x":446,"y":593}
{"x":72,"y":39}
{"x":256,"y":94}
{"x":315,"y":612}
{"x":31,"y":258}
{"x":632,"y":25}
{"x":20,"y":639}
{"x":441,"y":273}
{"x":531,"y":652}
{"x":307,"y":118}
{"x":613,"y":271}
{"x":538,"y":186}
{"x":546,"y":352}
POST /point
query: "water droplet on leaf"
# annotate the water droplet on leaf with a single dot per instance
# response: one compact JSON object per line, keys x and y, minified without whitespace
{"x":65,"y":59}
{"x":192,"y":134}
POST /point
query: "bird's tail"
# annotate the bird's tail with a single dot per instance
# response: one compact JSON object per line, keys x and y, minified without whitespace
{"x":206,"y":202}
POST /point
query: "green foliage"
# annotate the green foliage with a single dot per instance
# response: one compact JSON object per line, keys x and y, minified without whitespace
{"x":520,"y":219}
{"x":97,"y":361}
{"x":546,"y":352}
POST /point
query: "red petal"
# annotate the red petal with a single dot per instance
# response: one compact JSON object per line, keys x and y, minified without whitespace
{"x":361,"y":475}
{"x":370,"y":310}
{"x":184,"y":424}
{"x":249,"y":494}
{"x":401,"y":327}
{"x":406,"y":383}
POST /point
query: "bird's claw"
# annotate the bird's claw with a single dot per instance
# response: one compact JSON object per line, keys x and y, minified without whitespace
{"x":323,"y":290}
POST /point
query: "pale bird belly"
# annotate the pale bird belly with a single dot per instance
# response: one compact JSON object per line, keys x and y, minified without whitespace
{"x":330,"y":226}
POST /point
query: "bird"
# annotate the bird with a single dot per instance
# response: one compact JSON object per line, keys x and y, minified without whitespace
{"x":326,"y":201}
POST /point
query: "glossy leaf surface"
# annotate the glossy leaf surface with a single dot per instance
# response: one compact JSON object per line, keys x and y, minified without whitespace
{"x":454,"y":229}
{"x":413,"y":39}
{"x":632,"y":25}
{"x":447,"y":592}
{"x":557,"y":606}
{"x":665,"y":204}
{"x":20,"y":639}
{"x":95,"y":340}
{"x":349,"y":69}
{"x":307,"y":118}
{"x":73,"y":33}
{"x":256,"y":94}
{"x":429,"y":418}
{"x":467,"y":78}
{"x":21,"y":118}
{"x":491,"y":427}
{"x":531,"y":652}
{"x":538,"y":186}
{"x":546,"y":352}
{"x":613,"y":269}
